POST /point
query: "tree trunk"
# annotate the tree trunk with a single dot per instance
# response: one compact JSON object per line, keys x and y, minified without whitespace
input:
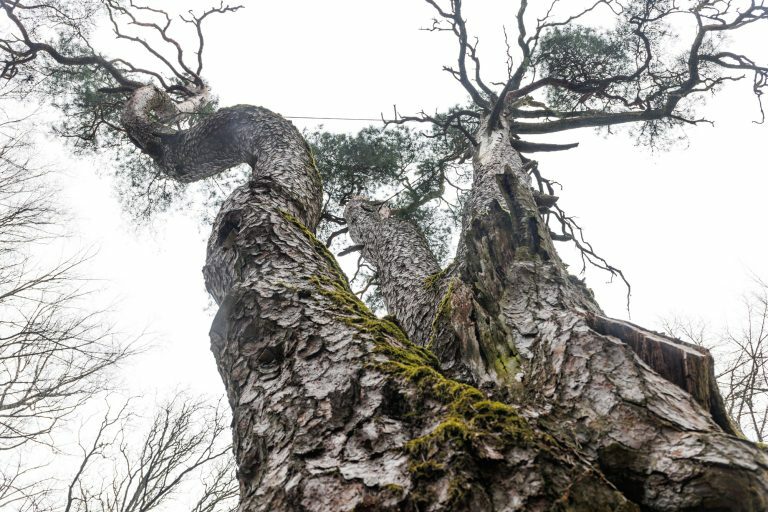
{"x":641,"y":407}
{"x":499,"y":385}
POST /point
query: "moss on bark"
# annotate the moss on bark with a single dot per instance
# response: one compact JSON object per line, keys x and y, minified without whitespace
{"x":460,"y":438}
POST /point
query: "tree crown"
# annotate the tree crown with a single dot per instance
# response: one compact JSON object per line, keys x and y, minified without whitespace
{"x":600,"y":63}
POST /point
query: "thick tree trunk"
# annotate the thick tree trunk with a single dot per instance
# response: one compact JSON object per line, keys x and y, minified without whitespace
{"x":532,"y":400}
{"x":643,"y":408}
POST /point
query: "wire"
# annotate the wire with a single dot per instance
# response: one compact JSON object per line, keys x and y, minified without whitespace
{"x":335,"y":118}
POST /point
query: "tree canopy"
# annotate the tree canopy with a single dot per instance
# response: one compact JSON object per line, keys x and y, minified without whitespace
{"x":586,"y":64}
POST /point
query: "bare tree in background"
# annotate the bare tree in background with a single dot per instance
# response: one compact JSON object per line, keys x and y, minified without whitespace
{"x":497,"y":383}
{"x":134,"y":465}
{"x":54,"y":356}
{"x":744,"y":378}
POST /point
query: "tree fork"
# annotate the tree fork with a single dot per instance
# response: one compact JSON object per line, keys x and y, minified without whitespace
{"x":335,"y":409}
{"x":294,"y":348}
{"x":546,"y":346}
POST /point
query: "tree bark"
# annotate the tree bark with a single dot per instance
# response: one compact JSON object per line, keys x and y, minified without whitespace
{"x":500,"y":385}
{"x":334,"y":409}
{"x":407,"y":269}
{"x":643,"y":408}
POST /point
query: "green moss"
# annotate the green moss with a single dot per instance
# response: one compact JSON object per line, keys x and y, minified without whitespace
{"x":317,"y":244}
{"x":471,"y":427}
{"x":427,"y":469}
{"x":762,"y":446}
{"x":506,"y":366}
{"x":459,"y":491}
{"x":500,"y":366}
{"x":444,"y":307}
{"x":471,"y":421}
{"x":431,"y":281}
{"x":312,"y":157}
{"x":313,"y":163}
{"x":452,"y":430}
{"x":357,"y":314}
{"x":393,"y":319}
{"x":338,"y":291}
{"x":471,"y":424}
{"x":394,"y":488}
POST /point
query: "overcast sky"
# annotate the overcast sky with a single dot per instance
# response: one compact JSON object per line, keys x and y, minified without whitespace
{"x":686,"y":225}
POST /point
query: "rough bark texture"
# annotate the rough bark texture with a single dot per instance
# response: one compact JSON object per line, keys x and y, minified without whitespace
{"x":690,"y":367}
{"x":405,"y":264}
{"x":335,"y":409}
{"x":533,"y":401}
{"x":587,"y":377}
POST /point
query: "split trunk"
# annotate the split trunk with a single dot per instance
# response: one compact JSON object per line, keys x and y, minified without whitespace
{"x":495,"y":384}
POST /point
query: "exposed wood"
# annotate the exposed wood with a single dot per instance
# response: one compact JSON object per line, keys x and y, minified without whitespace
{"x":688,"y":366}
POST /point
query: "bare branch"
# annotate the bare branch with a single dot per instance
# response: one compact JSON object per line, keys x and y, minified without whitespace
{"x":459,"y":28}
{"x":533,"y":147}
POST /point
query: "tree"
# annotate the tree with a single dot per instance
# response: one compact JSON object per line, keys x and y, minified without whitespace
{"x":746,"y":373}
{"x":145,"y":472}
{"x":496,"y":383}
{"x":53,"y":355}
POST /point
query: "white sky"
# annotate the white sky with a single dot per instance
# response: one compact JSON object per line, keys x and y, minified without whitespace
{"x":686,"y":226}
